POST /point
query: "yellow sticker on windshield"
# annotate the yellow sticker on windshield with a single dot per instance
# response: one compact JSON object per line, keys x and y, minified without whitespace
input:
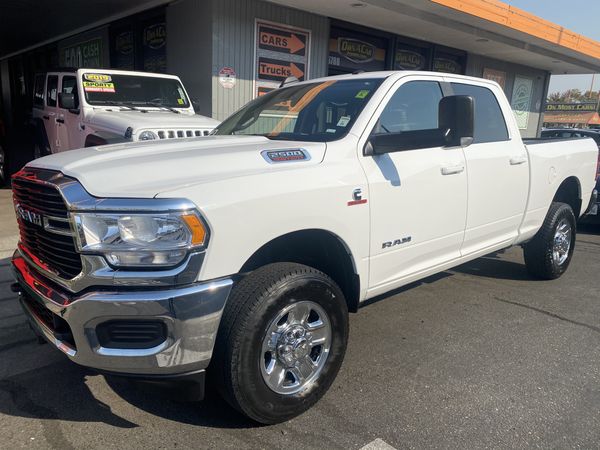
{"x":97,"y":77}
{"x":93,"y":86}
{"x":362,"y":94}
{"x":180,"y":101}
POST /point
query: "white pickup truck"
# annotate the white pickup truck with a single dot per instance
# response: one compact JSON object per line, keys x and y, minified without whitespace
{"x":90,"y":107}
{"x":239,"y":255}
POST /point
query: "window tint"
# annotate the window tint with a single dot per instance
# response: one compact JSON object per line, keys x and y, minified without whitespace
{"x":38,"y":90}
{"x":51,"y":90}
{"x":69,"y":86}
{"x":490,"y":125}
{"x":413,"y":107}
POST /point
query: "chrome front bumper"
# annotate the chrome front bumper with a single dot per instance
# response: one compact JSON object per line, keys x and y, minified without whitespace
{"x":191,"y":314}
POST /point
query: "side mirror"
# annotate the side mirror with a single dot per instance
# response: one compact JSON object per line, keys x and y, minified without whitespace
{"x":380,"y":144}
{"x":66,"y":101}
{"x":456,"y":120}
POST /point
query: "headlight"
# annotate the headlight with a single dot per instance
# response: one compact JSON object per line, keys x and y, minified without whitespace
{"x":147,"y":135}
{"x":140,"y":240}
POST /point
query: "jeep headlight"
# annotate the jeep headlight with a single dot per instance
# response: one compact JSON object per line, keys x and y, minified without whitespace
{"x":140,"y":239}
{"x":147,"y":136}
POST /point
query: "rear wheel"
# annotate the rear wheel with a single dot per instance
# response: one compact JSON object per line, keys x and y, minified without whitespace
{"x":549,"y":253}
{"x":281,"y":342}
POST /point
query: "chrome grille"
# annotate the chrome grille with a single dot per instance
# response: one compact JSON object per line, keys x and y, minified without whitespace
{"x":48,"y":238}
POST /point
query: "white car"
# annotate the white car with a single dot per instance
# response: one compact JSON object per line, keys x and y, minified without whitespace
{"x":90,"y":107}
{"x":240,"y":254}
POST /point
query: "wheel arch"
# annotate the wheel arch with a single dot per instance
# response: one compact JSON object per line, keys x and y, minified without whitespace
{"x":569,"y":192}
{"x":317,"y":248}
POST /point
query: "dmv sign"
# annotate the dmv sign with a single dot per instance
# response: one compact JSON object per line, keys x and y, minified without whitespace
{"x":282,"y":51}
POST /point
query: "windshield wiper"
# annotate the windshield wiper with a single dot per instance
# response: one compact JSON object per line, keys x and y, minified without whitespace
{"x":159,"y":105}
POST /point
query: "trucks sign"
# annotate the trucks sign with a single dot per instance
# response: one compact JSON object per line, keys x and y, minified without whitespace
{"x":281,"y":52}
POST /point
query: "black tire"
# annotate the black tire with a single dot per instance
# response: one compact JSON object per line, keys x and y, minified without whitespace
{"x":539,"y":252}
{"x":254,"y":304}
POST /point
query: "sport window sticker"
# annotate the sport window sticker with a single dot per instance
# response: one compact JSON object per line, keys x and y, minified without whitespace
{"x":98,"y":82}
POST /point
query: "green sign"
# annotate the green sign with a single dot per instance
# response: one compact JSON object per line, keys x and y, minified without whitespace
{"x":84,"y":54}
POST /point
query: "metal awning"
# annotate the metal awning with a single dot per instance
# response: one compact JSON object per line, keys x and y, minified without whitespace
{"x":486,"y":27}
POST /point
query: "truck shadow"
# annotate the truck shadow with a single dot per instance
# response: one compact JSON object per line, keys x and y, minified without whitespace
{"x":592,"y":229}
{"x":492,"y":266}
{"x":60,"y":391}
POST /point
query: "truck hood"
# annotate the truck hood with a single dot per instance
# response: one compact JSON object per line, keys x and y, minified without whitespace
{"x":121,"y":120}
{"x":145,"y":169}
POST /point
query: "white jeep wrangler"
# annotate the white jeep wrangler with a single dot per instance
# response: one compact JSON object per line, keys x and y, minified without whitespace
{"x":90,"y":107}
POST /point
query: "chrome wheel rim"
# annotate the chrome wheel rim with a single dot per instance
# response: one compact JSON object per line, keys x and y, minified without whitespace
{"x":295,"y":348}
{"x":562,"y":242}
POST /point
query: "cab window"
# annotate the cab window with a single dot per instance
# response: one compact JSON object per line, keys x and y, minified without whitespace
{"x":69,"y":86}
{"x":413,"y":107}
{"x":490,"y":125}
{"x":51,"y":90}
{"x":38,"y":90}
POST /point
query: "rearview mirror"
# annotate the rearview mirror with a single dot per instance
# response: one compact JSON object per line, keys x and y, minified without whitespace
{"x":66,"y":101}
{"x":456,"y":120}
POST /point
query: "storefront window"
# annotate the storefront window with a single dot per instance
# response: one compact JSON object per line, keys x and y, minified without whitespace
{"x":123,"y":50}
{"x":154,"y":44}
{"x":449,"y":62}
{"x":350,"y":51}
{"x":409,"y":57}
{"x":140,"y":43}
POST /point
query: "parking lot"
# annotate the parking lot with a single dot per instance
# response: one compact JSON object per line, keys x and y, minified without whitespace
{"x":480,"y":356}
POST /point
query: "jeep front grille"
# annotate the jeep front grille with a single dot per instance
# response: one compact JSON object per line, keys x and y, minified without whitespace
{"x":175,"y":134}
{"x":44,"y":228}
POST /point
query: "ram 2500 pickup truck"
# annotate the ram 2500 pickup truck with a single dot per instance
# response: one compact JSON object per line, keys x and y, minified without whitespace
{"x":239,"y":255}
{"x":90,"y":107}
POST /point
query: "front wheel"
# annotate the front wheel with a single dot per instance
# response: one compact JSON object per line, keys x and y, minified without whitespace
{"x":281,"y":341}
{"x":549,"y":253}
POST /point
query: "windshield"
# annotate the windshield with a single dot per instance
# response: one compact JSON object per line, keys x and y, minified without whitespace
{"x":136,"y":90}
{"x":321,"y":112}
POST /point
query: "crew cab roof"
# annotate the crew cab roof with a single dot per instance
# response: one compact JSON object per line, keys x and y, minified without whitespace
{"x":388,"y":73}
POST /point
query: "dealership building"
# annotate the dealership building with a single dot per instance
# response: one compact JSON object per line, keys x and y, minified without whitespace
{"x":227,"y":52}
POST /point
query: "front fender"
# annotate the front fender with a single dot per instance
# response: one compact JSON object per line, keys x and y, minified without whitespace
{"x":245,"y":213}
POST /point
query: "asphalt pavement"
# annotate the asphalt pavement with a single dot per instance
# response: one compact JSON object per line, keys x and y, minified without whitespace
{"x":477,"y":357}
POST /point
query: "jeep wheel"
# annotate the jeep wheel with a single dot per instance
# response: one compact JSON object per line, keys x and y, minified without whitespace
{"x":281,"y":341}
{"x":549,"y":253}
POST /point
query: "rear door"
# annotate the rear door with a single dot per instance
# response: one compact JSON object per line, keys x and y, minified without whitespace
{"x":51,"y":111}
{"x":497,"y":171}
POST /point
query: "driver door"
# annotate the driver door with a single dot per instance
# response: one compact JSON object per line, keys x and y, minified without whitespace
{"x":69,"y":130}
{"x":418,"y":197}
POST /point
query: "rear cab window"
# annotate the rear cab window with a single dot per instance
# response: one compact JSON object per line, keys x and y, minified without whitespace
{"x":490,"y":124}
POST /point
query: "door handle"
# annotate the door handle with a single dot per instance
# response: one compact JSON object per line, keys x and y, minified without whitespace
{"x":46,"y":117}
{"x":60,"y":120}
{"x":516,"y":160}
{"x":450,"y":170}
